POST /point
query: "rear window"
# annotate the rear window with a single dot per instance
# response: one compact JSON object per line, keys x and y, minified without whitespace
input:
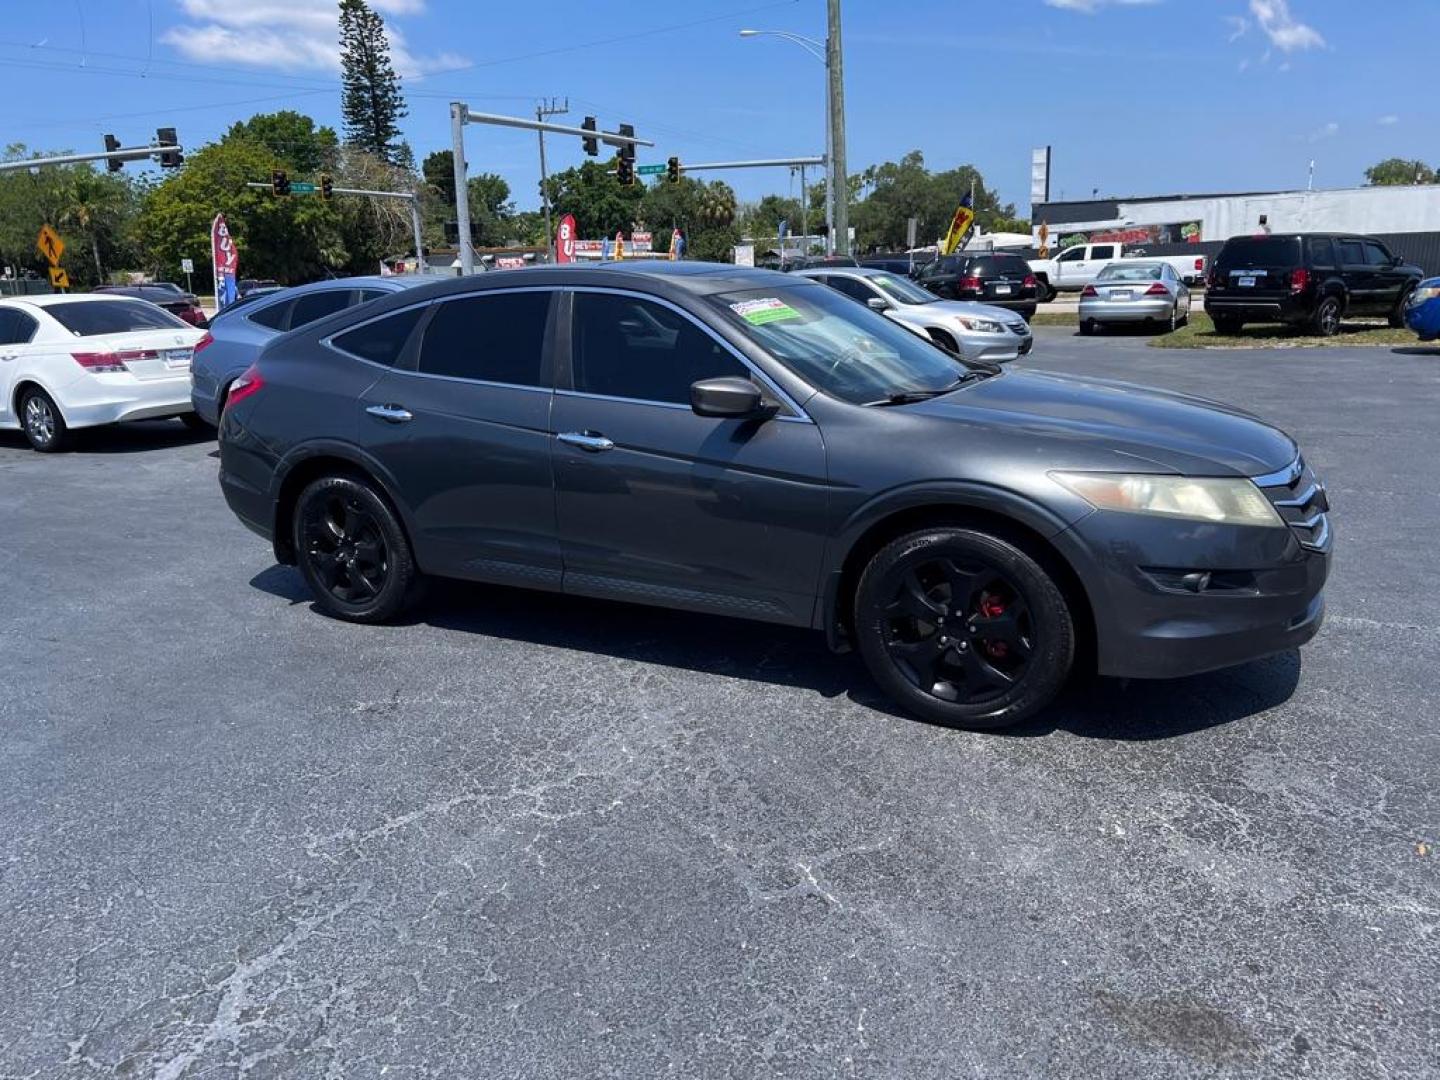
{"x":89,"y":318}
{"x":381,"y":341}
{"x":1259,"y":251}
{"x":1000,"y":264}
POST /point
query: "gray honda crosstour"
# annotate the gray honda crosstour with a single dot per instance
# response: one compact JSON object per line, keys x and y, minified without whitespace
{"x":750,"y":443}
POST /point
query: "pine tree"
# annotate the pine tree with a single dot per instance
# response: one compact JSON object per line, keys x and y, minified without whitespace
{"x":370,"y":98}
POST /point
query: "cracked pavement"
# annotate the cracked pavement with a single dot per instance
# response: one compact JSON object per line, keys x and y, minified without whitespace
{"x":530,"y":836}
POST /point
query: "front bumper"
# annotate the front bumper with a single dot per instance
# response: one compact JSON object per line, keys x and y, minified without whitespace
{"x":1263,"y":593}
{"x":996,"y":348}
{"x":1116,"y":311}
{"x":1424,"y":319}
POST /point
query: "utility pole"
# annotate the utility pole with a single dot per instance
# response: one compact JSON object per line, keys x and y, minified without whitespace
{"x":839,"y":188}
{"x":543,"y":110}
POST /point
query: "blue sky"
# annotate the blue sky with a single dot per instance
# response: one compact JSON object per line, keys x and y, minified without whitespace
{"x":1135,"y":96}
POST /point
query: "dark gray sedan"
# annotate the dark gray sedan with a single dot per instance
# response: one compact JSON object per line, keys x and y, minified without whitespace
{"x":753,"y":444}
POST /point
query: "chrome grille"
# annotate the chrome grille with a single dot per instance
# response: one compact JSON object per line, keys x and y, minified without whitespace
{"x":1019,"y":326}
{"x":1299,"y":498}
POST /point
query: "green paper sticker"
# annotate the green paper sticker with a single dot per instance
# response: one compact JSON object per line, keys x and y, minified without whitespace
{"x":766,"y":310}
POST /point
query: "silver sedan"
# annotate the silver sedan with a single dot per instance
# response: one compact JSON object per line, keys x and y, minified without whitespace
{"x":975,"y":331}
{"x":1135,"y":291}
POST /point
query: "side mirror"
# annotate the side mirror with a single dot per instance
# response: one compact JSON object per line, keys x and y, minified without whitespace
{"x":728,"y":397}
{"x":1396,"y":260}
{"x":877,"y":303}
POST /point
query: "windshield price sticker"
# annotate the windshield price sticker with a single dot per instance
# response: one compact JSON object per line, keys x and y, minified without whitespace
{"x":765,"y":310}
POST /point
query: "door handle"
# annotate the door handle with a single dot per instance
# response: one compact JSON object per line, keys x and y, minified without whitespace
{"x":587,"y":440}
{"x":394,"y":414}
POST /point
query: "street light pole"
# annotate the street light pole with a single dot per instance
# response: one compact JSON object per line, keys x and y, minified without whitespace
{"x":458,"y":115}
{"x":839,"y":186}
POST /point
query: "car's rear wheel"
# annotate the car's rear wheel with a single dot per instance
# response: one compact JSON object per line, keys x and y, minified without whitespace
{"x":963,"y":628}
{"x":1088,"y":327}
{"x":1326,"y":320}
{"x":1227,"y":325}
{"x":44,"y":426}
{"x":352,"y":550}
{"x":196,"y":422}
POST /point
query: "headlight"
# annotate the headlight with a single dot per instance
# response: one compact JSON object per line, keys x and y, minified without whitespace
{"x":1201,"y":498}
{"x":1423,"y":293}
{"x":980,"y":326}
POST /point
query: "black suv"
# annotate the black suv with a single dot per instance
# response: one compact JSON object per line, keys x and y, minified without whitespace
{"x":1307,"y":280}
{"x":1002,"y":280}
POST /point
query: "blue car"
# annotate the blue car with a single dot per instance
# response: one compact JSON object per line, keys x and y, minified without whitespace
{"x":1422,"y":310}
{"x":238,"y":333}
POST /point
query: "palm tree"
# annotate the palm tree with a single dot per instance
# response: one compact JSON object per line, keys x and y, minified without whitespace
{"x":717,"y":203}
{"x":91,"y":203}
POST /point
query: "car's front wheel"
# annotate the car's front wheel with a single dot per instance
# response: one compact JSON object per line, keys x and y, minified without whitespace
{"x":1397,"y":314}
{"x":963,"y":628}
{"x":44,"y":426}
{"x":352,"y":550}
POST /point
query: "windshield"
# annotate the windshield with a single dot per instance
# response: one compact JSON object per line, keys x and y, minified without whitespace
{"x":87,"y":318}
{"x":899,"y":289}
{"x":1131,"y":272}
{"x":838,"y":346}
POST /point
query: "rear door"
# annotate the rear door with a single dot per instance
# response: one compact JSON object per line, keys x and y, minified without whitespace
{"x":17,"y":328}
{"x":463,"y":427}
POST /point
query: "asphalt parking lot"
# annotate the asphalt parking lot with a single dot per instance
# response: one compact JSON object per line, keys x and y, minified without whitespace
{"x":529,"y":836}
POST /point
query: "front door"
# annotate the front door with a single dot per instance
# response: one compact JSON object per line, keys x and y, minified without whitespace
{"x":658,"y":505}
{"x":465,"y":435}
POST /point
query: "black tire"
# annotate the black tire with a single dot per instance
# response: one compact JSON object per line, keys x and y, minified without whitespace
{"x":1087,"y":327}
{"x":41,"y":421}
{"x":196,"y":422}
{"x":1326,"y":320}
{"x":1174,"y":317}
{"x":1397,"y":316}
{"x":944,"y":340}
{"x":1227,"y":325}
{"x":352,"y":550}
{"x":1013,"y":640}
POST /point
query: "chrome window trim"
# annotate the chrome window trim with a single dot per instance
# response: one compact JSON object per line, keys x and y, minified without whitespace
{"x":799,"y":414}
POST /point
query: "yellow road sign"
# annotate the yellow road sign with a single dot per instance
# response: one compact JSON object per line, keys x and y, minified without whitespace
{"x":59,"y":278}
{"x":50,"y":244}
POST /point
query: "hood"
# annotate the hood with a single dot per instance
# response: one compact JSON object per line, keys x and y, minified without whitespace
{"x":974,"y":310}
{"x":1129,"y":427}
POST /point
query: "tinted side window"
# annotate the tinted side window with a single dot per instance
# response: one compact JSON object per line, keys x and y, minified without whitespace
{"x":381,"y":341}
{"x":856,"y":290}
{"x":317,"y":305}
{"x":1320,"y":253}
{"x":1352,"y":252}
{"x":16,"y":327}
{"x":1376,"y":255}
{"x":1074,"y":254}
{"x":631,"y":348}
{"x":497,"y":337}
{"x":273,"y":315}
{"x":367,"y":295}
{"x":1102,"y":251}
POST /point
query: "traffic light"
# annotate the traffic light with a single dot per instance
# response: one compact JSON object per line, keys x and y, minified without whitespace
{"x":327,"y":187}
{"x":625,"y":171}
{"x":672,"y":170}
{"x":591,"y":144}
{"x":627,"y":150}
{"x":279,"y":182}
{"x":169,"y":159}
{"x":111,"y":145}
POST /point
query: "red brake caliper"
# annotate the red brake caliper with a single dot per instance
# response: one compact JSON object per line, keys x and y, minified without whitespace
{"x":991,"y":607}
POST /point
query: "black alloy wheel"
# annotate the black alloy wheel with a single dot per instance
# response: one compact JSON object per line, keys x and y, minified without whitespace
{"x":964,"y":628}
{"x":44,"y":426}
{"x":352,"y":550}
{"x":1327,"y":317}
{"x":1397,"y":314}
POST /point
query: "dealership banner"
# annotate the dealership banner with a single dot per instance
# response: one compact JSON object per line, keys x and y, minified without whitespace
{"x":565,"y":240}
{"x":226,"y":261}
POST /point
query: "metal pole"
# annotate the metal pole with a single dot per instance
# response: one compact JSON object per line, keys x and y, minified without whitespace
{"x":132,"y":153}
{"x":545,"y":191}
{"x":835,"y":68}
{"x":458,"y":114}
{"x":804,"y":212}
{"x":419,"y":240}
{"x":758,"y":163}
{"x":829,"y":178}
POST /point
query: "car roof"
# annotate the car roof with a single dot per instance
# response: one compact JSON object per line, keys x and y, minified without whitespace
{"x":46,"y":299}
{"x":844,"y":271}
{"x":657,"y":276}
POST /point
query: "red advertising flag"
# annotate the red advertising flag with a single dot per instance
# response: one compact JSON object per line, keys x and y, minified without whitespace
{"x":225,"y":258}
{"x":565,"y":240}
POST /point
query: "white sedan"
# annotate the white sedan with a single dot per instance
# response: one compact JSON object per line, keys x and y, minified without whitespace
{"x":79,"y":361}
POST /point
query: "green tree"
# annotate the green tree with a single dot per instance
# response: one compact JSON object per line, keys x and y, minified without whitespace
{"x":370,"y":98}
{"x":763,"y":218}
{"x":706,"y":213}
{"x":293,"y":138}
{"x":601,"y":204}
{"x":372,"y":229}
{"x":94,"y":206}
{"x":1394,"y":171}
{"x":490,"y":208}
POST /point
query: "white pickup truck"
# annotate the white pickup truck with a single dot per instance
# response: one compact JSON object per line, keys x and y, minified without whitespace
{"x":1075,"y":267}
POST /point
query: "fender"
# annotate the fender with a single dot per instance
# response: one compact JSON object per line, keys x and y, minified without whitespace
{"x":957,"y":494}
{"x":29,"y":376}
{"x":344,"y":451}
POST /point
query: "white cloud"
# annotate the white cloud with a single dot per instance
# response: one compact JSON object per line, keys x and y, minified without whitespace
{"x":1089,"y":7}
{"x":1285,"y":32}
{"x":1238,"y":26}
{"x":290,"y":36}
{"x":1325,"y":131}
{"x":1388,"y":120}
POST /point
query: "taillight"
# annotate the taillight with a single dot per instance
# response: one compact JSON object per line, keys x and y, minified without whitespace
{"x":1200,"y":264}
{"x":971,"y":283}
{"x":244,"y":386}
{"x":1213,"y":281}
{"x":204,"y":341}
{"x":1029,"y":281}
{"x":99,"y":363}
{"x":1157,"y":290}
{"x":1299,"y":280}
{"x":1089,"y":290}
